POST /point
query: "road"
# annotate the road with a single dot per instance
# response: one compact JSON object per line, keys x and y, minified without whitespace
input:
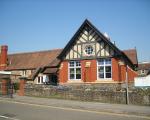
{"x":10,"y":110}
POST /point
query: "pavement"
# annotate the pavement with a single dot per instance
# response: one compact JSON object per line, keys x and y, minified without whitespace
{"x":90,"y":106}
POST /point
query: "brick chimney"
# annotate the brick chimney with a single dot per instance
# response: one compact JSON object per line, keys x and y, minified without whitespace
{"x":3,"y":56}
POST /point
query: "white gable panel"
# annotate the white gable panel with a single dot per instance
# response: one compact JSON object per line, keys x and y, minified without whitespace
{"x":87,"y":37}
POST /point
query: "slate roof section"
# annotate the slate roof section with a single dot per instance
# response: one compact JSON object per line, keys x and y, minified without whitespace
{"x":31,"y":60}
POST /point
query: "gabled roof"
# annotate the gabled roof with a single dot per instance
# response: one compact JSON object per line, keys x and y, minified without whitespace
{"x":31,"y":60}
{"x":87,"y":22}
{"x":132,"y":55}
{"x":144,"y":66}
{"x":73,"y":39}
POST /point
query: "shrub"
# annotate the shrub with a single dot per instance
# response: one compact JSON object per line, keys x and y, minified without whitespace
{"x":16,"y":86}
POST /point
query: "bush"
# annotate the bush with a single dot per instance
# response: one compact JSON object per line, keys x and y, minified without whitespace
{"x":16,"y":86}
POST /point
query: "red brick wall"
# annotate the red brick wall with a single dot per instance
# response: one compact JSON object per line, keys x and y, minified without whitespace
{"x":89,"y":74}
{"x":21,"y":87}
{"x":131,"y":75}
{"x":3,"y":57}
{"x":63,"y":72}
{"x":119,"y":72}
{"x":115,"y":70}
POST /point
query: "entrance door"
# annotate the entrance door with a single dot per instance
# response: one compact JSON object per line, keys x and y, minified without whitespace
{"x":53,"y":79}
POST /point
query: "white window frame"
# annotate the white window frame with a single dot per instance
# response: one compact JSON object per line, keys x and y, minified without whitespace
{"x":104,"y":65}
{"x":74,"y":67}
{"x":142,"y":72}
{"x":41,"y":80}
{"x":89,"y":51}
{"x":24,"y":73}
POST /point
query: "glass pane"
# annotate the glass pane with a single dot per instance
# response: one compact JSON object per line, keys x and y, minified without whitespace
{"x":71,"y":76}
{"x":72,"y":64}
{"x":71,"y":70}
{"x":78,"y":70}
{"x":78,"y":63}
{"x":101,"y":62}
{"x":101,"y":69}
{"x":101,"y":75}
{"x":108,"y":68}
{"x":108,"y":75}
{"x":89,"y":50}
{"x":78,"y":76}
{"x":108,"y":61}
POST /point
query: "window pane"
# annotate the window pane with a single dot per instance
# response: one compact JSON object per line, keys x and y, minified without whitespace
{"x":101,"y":62}
{"x":108,"y":75}
{"x":71,"y":70}
{"x":101,"y":69}
{"x":108,"y":68}
{"x":101,"y":75}
{"x":78,"y":63}
{"x":72,"y":64}
{"x":71,"y":76}
{"x":108,"y":61}
{"x":89,"y":50}
{"x":78,"y":76}
{"x":78,"y":71}
{"x":38,"y":79}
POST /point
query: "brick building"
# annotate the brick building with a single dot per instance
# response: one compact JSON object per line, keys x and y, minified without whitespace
{"x":89,"y":57}
{"x":143,"y":68}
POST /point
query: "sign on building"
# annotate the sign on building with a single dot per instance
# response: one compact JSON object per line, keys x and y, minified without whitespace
{"x":142,"y":81}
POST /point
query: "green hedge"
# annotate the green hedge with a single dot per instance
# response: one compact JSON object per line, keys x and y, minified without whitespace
{"x":16,"y":86}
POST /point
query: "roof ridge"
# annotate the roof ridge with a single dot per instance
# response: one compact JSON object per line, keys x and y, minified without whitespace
{"x":32,"y":52}
{"x":129,"y":49}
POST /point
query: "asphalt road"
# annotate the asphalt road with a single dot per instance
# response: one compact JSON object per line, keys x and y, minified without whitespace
{"x":24,"y":111}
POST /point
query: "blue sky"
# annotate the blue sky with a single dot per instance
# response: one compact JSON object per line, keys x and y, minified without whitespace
{"x":34,"y":25}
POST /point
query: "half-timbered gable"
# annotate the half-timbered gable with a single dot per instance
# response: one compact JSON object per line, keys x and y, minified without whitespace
{"x":88,"y":44}
{"x":90,"y":56}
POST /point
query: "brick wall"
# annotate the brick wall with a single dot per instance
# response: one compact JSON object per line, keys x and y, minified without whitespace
{"x":63,"y":72}
{"x":89,"y":73}
{"x":3,"y":57}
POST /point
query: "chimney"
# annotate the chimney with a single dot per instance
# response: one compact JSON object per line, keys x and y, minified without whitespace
{"x":3,"y":56}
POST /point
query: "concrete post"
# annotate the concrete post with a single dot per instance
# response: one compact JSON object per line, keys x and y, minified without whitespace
{"x":22,"y":85}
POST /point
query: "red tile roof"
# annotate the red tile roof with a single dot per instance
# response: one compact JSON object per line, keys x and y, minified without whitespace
{"x":31,"y":60}
{"x":34,"y":60}
{"x":144,"y":66}
{"x":132,"y":55}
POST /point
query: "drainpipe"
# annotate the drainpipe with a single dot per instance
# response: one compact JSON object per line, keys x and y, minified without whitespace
{"x":126,"y":83}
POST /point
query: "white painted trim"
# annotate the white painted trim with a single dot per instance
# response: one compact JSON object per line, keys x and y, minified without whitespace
{"x":75,"y":71}
{"x":5,"y":72}
{"x":104,"y":79}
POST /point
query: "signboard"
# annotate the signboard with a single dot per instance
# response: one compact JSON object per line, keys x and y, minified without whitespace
{"x":142,"y":81}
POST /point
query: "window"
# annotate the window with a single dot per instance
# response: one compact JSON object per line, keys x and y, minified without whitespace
{"x":142,"y":71}
{"x":74,"y":70}
{"x":89,"y":50}
{"x":24,"y":73}
{"x":40,"y":79}
{"x":104,"y":68}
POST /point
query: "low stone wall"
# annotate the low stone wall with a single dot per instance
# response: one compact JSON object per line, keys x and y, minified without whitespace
{"x":110,"y":93}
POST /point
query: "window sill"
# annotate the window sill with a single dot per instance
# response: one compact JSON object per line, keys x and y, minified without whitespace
{"x":75,"y":81}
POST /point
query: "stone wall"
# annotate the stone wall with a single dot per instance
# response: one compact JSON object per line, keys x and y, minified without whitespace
{"x":109,"y":93}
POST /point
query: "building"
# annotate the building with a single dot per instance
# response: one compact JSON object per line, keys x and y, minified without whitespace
{"x":143,"y":68}
{"x":89,"y":57}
